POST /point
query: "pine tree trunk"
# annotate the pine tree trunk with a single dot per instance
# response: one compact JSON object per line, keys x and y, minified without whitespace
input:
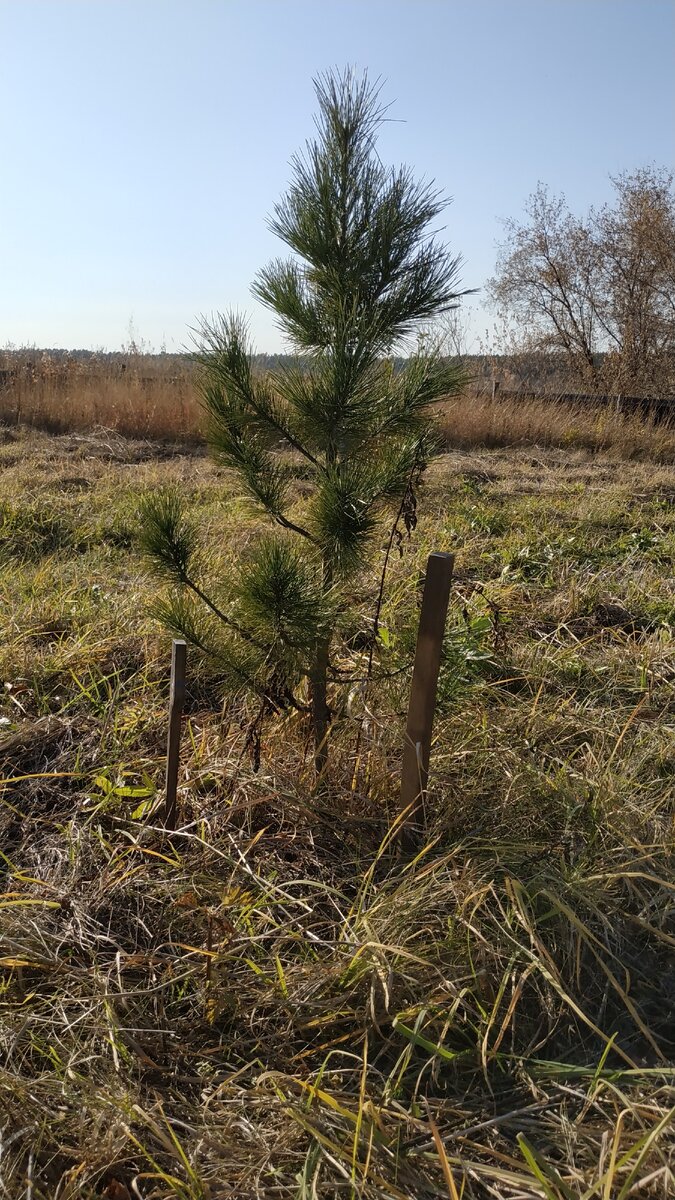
{"x":319,"y":702}
{"x":319,"y":687}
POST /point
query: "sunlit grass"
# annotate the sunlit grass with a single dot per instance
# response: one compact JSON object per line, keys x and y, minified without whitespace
{"x":270,"y":1002}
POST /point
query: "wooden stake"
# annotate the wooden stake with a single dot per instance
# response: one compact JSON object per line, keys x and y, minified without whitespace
{"x":176,"y":701}
{"x":415,"y":768}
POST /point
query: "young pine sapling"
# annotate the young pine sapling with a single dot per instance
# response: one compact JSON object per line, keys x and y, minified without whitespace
{"x":366,"y":275}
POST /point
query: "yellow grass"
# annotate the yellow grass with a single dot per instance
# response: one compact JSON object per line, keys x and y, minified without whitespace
{"x":139,"y":398}
{"x":270,"y":1004}
{"x":154,"y":397}
{"x":477,"y":420}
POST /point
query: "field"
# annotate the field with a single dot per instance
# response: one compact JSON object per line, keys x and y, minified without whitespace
{"x":270,"y":1002}
{"x":152,"y":396}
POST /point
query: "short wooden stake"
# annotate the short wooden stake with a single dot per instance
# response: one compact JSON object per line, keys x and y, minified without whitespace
{"x":415,"y":768}
{"x":176,"y":701}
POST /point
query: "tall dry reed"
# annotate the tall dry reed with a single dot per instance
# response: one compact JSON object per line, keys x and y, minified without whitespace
{"x":150,"y":397}
{"x":477,"y":420}
{"x":141,"y":397}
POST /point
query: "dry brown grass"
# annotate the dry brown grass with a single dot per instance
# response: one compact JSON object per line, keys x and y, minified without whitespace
{"x":477,"y":420}
{"x":150,"y":397}
{"x":137,"y":398}
{"x":269,"y":1004}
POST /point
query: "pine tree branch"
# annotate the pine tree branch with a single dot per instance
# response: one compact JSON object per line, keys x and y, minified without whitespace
{"x":284,"y":521}
{"x":217,"y":612}
{"x":224,"y":354}
{"x":267,"y":414}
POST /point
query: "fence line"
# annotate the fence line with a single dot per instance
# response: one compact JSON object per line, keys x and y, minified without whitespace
{"x":659,"y":407}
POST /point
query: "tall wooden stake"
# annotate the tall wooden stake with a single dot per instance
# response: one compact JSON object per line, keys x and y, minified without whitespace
{"x":415,"y":768}
{"x":176,"y":701}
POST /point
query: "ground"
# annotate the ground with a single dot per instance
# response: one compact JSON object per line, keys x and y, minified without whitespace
{"x":272,"y":1002}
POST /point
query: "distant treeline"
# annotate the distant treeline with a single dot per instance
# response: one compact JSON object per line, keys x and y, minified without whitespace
{"x":488,"y":366}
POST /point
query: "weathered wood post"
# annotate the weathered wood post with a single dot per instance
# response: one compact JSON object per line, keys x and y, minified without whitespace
{"x":176,"y":701}
{"x":495,"y":389}
{"x":422,"y":706}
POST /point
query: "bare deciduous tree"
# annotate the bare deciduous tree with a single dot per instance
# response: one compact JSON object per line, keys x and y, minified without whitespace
{"x":599,"y":290}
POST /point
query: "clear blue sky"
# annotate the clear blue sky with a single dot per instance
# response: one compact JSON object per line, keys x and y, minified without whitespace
{"x":144,"y":142}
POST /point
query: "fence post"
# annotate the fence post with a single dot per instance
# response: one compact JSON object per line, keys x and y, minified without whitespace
{"x":495,"y":389}
{"x":176,"y":701}
{"x":415,"y":767}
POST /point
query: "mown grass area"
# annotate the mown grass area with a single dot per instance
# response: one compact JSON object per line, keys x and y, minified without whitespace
{"x":270,"y":1002}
